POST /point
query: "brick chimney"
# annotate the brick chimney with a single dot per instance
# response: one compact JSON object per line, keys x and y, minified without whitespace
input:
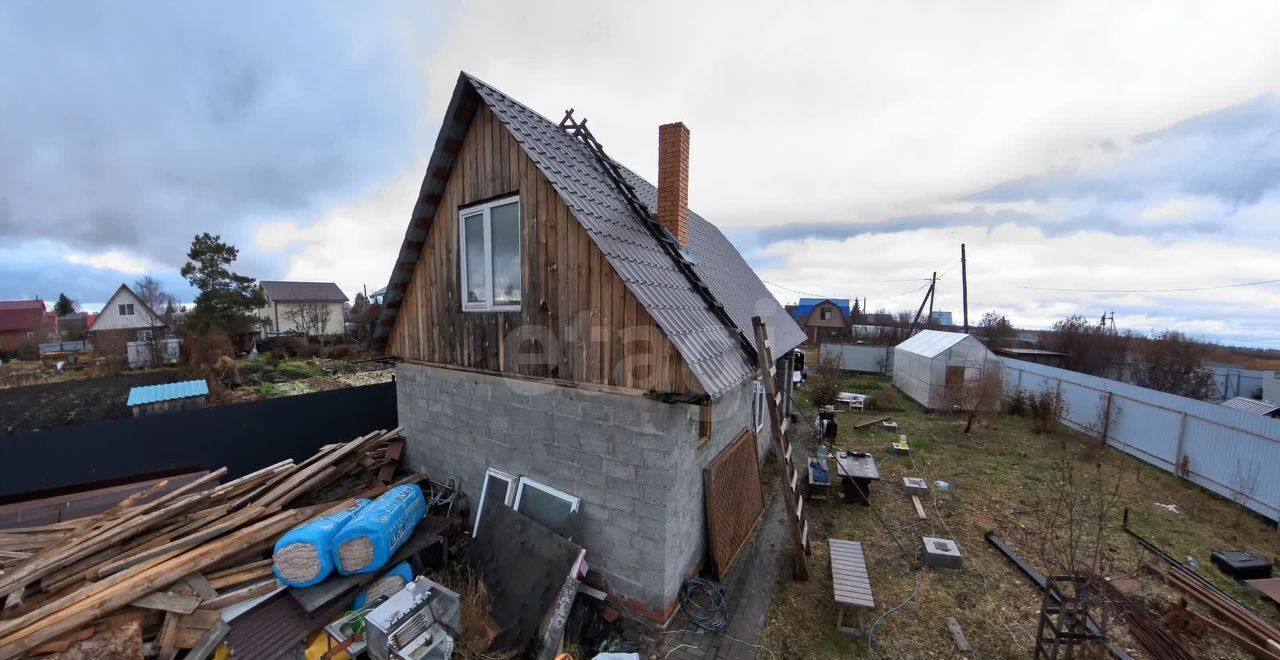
{"x":673,"y":180}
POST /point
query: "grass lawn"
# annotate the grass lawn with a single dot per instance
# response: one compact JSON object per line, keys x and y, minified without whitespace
{"x":995,"y":474}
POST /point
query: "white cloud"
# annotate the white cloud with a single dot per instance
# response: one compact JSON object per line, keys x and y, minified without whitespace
{"x":115,"y":260}
{"x":1003,"y":260}
{"x":845,"y":112}
{"x":1182,"y":209}
{"x":354,"y":245}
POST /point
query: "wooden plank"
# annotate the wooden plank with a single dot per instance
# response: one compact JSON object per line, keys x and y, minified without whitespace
{"x":957,"y":634}
{"x":206,"y":645}
{"x":864,"y":424}
{"x":242,"y":594}
{"x":168,"y":602}
{"x":68,"y":613}
{"x":915,"y":500}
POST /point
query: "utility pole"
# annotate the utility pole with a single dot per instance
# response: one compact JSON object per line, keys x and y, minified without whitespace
{"x":964,"y":287}
{"x":933,"y":283}
{"x":928,"y":298}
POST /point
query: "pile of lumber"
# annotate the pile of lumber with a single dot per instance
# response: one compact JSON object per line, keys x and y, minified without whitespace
{"x":1232,"y":621}
{"x":165,"y":566}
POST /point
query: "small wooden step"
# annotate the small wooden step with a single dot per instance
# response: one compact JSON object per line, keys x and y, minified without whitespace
{"x":786,"y":424}
{"x":795,"y":479}
{"x":787,"y":456}
{"x":800,"y":508}
{"x":804,"y":539}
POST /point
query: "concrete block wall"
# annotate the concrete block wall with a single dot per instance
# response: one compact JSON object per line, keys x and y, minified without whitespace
{"x":634,"y":463}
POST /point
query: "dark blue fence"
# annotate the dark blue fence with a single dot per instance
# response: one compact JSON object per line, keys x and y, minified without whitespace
{"x":243,"y":438}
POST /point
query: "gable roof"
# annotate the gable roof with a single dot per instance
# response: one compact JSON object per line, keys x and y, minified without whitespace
{"x":152,"y":315}
{"x":303,"y":291}
{"x":805,"y":308}
{"x":21,"y":314}
{"x":932,"y":342}
{"x":709,"y":346}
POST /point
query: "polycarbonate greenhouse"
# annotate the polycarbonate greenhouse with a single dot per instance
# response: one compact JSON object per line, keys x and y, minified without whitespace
{"x":932,"y":366}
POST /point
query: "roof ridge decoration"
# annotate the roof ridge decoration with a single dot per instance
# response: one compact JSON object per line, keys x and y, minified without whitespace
{"x":578,"y":129}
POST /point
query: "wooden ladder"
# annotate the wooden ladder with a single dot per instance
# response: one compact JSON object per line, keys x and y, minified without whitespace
{"x":791,"y":479}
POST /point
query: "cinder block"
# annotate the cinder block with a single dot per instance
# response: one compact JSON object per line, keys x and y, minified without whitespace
{"x":915,"y":485}
{"x":941,"y":553}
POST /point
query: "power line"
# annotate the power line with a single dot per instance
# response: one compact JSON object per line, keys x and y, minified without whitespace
{"x":1178,"y":290}
{"x":819,"y":295}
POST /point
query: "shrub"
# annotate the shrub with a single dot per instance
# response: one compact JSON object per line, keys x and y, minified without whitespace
{"x":824,"y":382}
{"x":339,"y":352}
{"x":886,"y":400}
{"x":1018,"y":403}
{"x":1047,"y":409}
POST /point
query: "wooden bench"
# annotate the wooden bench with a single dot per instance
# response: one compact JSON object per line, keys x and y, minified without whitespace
{"x":851,"y":585}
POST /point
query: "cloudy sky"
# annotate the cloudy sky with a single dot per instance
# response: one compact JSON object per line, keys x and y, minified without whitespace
{"x":848,"y":148}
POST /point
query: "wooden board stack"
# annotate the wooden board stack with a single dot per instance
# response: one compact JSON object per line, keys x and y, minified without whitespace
{"x":166,"y":567}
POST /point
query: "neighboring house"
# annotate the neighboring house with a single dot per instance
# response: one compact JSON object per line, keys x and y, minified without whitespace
{"x":822,"y":319}
{"x":932,"y":366}
{"x":125,"y":318}
{"x":24,"y":324}
{"x":314,"y":309}
{"x":561,"y":352}
{"x":74,"y":326}
{"x":941,"y":318}
{"x":1271,"y":386}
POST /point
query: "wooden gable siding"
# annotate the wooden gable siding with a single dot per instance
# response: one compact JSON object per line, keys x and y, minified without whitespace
{"x":570,"y":294}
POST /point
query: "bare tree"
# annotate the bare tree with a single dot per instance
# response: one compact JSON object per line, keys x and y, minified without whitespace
{"x":1073,"y":510}
{"x":1090,"y":348}
{"x":1174,"y":363}
{"x":979,"y":398}
{"x":996,"y":329}
{"x":310,"y":318}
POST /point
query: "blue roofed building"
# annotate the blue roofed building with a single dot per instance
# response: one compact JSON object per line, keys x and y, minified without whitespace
{"x":822,"y":319}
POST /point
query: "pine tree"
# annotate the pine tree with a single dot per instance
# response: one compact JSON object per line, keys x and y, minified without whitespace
{"x":64,"y":306}
{"x":227,"y":301}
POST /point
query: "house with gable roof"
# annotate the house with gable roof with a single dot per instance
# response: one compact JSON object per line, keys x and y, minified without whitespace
{"x":573,"y":341}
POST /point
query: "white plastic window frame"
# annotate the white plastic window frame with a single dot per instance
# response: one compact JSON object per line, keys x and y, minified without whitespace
{"x":757,"y":406}
{"x":509,"y":499}
{"x":573,"y":500}
{"x":125,"y":309}
{"x":484,"y":211}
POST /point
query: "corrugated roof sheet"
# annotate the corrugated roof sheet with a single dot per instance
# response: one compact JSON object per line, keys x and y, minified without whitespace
{"x":931,"y":342}
{"x":1253,"y":406}
{"x":303,"y":291}
{"x":186,"y":389}
{"x":705,"y":343}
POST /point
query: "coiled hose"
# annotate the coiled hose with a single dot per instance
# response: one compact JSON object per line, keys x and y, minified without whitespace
{"x":704,"y":603}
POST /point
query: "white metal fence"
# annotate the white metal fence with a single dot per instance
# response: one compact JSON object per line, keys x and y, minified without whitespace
{"x":862,"y":359}
{"x":1227,"y":451}
{"x":166,"y":352}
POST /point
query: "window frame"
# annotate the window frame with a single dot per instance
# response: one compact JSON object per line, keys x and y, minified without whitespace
{"x":826,"y":313}
{"x":574,"y":501}
{"x":145,"y":335}
{"x":509,"y":500}
{"x":125,"y":309}
{"x":757,"y":405}
{"x":484,"y":209}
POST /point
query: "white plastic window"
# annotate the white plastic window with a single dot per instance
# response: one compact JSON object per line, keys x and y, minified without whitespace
{"x":499,"y":488}
{"x":552,"y":507}
{"x":125,"y":309}
{"x":489,"y":245}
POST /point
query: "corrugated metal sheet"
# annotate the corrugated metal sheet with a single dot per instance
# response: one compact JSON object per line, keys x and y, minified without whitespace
{"x":186,"y":389}
{"x":1230,"y":452}
{"x":1252,"y":406}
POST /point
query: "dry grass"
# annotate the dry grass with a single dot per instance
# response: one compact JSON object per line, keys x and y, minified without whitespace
{"x":477,"y":602}
{"x":995,"y":474}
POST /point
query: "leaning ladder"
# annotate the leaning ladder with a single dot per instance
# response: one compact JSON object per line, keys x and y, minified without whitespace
{"x":791,"y":481}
